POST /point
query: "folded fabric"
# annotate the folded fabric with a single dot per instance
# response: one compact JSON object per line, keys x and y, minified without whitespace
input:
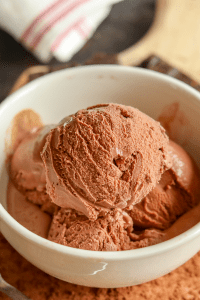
{"x":53,"y":28}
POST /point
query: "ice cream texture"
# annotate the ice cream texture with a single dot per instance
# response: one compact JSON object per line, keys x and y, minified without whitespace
{"x":105,"y":157}
{"x":106,"y":178}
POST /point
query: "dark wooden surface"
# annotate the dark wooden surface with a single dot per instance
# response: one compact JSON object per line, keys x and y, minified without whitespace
{"x":128,"y":21}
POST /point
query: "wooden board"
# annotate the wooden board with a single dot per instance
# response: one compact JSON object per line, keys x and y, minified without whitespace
{"x":174,"y":36}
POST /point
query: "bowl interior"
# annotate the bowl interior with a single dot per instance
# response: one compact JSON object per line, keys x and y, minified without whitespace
{"x":62,"y":93}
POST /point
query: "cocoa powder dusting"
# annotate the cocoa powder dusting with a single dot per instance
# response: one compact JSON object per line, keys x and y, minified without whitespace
{"x":181,"y":284}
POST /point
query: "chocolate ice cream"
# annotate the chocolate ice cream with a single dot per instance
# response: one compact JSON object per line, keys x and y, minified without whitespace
{"x":104,"y":179}
{"x":176,"y":193}
{"x":108,"y":233}
{"x":26,"y":213}
{"x":151,"y":219}
{"x":26,"y":168}
{"x":105,"y":157}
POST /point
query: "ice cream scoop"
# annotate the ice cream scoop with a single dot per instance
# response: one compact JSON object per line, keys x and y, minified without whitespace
{"x":176,"y":193}
{"x":11,"y":291}
{"x":104,"y":157}
{"x":108,"y":233}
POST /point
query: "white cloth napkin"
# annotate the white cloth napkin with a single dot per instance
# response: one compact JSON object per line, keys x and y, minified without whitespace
{"x":53,"y":28}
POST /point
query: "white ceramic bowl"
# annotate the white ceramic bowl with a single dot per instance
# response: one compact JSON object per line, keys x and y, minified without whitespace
{"x":62,"y":93}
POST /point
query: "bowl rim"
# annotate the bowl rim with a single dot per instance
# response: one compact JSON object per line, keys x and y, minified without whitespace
{"x":157,"y":249}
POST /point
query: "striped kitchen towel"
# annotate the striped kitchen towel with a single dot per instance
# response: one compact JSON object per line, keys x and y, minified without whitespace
{"x":53,"y":28}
